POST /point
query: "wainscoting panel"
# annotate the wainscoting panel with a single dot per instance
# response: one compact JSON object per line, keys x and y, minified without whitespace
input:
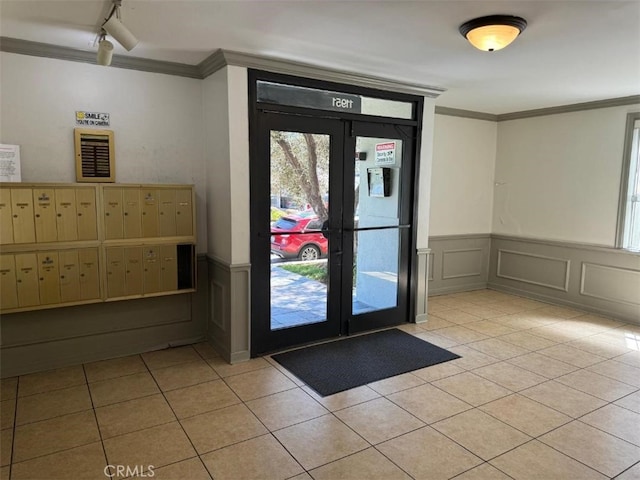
{"x":592,"y":278}
{"x":229,"y":309}
{"x":458,"y":263}
{"x":47,"y":339}
{"x":534,"y":269}
{"x":610,"y":283}
{"x":466,"y":262}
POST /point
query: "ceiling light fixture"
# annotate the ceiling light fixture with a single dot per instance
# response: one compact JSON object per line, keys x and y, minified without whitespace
{"x":493,"y":32}
{"x":114,"y":27}
{"x":105,"y":50}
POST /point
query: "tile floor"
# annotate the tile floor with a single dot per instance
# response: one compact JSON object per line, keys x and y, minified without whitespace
{"x":541,"y":392}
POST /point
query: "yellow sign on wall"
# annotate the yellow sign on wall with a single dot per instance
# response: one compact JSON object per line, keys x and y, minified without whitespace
{"x":92,"y":119}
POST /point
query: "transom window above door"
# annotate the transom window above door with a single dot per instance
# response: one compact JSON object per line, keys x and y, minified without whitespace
{"x":297,"y":96}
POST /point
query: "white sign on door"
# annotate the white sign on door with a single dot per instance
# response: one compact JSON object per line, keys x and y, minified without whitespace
{"x":386,"y":153}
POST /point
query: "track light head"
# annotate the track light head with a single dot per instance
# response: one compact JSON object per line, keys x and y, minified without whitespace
{"x":114,"y":27}
{"x":105,"y":52}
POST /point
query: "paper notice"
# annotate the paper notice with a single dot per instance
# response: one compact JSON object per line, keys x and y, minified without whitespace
{"x":10,"y":163}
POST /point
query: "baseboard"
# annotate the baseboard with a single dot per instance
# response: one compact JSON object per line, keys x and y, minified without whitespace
{"x":219,"y":347}
{"x":238,"y":357}
{"x":558,"y":301}
{"x":457,"y":288}
{"x":76,"y":351}
{"x":601,"y":280}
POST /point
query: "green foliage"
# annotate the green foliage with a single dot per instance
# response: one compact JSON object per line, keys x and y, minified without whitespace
{"x":313,"y":271}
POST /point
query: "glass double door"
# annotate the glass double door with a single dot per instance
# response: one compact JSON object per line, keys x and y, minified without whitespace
{"x":331,"y":232}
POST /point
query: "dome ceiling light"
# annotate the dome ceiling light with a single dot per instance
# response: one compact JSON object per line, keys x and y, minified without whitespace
{"x":493,"y":32}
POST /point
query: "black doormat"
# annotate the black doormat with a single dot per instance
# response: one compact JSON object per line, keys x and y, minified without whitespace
{"x":337,"y":366}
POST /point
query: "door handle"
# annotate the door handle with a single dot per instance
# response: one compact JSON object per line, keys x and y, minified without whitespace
{"x":325,"y":229}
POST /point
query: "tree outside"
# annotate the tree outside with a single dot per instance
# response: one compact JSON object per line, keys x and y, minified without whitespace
{"x":300,"y":169}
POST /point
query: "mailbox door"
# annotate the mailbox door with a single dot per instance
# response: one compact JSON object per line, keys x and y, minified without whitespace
{"x":132,"y":213}
{"x":27,"y":279}
{"x":6,"y":221}
{"x":133,"y":270}
{"x":86,"y":212}
{"x":184,"y":212}
{"x":113,"y":213}
{"x":149,"y":200}
{"x":45,"y":214}
{"x":89,"y":273}
{"x":66,"y":214}
{"x":115,"y":272}
{"x":69,"y":276}
{"x":49,"y":275}
{"x":169,"y":265}
{"x":22,"y":215}
{"x":167,"y":212}
{"x":8,"y":290}
{"x":151,"y":258}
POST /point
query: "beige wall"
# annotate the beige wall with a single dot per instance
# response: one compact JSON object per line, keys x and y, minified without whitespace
{"x":239,"y":163}
{"x":425,"y":154}
{"x":215,"y":108}
{"x":157,"y":120}
{"x":464,"y":154}
{"x":158,"y":125}
{"x":559,"y":176}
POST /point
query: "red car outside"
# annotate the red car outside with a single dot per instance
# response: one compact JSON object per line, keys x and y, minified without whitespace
{"x":308,"y":244}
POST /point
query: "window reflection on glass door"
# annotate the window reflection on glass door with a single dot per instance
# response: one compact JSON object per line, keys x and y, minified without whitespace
{"x":299,"y":171}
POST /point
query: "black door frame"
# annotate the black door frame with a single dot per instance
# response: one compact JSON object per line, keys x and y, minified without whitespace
{"x":259,"y":113}
{"x":383,"y":317}
{"x":261,"y":231}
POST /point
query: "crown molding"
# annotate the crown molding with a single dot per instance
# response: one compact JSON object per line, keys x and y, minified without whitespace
{"x":575,"y":107}
{"x":456,"y":112}
{"x":223,"y":58}
{"x":540,"y":112}
{"x":212,"y":64}
{"x":155,"y":66}
{"x":37,"y":49}
{"x":216,"y":61}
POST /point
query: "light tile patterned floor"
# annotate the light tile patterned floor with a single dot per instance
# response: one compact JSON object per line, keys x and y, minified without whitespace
{"x":542,"y":392}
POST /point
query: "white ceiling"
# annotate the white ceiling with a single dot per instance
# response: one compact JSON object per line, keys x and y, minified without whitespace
{"x":571,"y":52}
